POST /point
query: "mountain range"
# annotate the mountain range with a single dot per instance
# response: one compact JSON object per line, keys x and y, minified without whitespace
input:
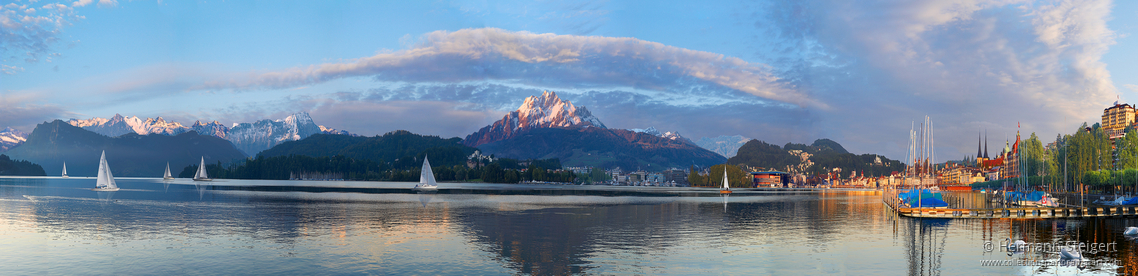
{"x":53,"y":143}
{"x":250,"y":138}
{"x":723,"y":145}
{"x":10,"y":138}
{"x":547,"y":127}
{"x":674,"y":136}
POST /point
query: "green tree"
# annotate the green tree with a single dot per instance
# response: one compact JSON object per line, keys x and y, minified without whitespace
{"x":695,"y":179}
{"x":736,"y":178}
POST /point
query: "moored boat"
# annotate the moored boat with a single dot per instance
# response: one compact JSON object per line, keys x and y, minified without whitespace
{"x":726,"y":189}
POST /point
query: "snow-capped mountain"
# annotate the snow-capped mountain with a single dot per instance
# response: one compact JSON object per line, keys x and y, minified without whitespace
{"x":727,"y":146}
{"x":119,"y":125}
{"x":547,"y":111}
{"x":649,"y":130}
{"x":10,"y":138}
{"x":113,"y":127}
{"x":212,"y":128}
{"x":328,"y":130}
{"x":675,"y":136}
{"x":250,"y":138}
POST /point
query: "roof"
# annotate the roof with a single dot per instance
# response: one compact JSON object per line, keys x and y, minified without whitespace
{"x":770,"y":172}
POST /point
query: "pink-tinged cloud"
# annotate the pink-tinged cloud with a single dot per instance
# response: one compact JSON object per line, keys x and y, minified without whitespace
{"x":550,"y":60}
{"x":970,"y":65}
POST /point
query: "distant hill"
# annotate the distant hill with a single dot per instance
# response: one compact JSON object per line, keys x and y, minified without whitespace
{"x":601,"y":147}
{"x":402,"y":149}
{"x":53,"y":143}
{"x":19,"y":167}
{"x":821,"y":156}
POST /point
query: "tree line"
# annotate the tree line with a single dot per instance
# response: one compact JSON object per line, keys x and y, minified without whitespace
{"x":283,"y":167}
{"x":19,"y":167}
{"x":736,"y":178}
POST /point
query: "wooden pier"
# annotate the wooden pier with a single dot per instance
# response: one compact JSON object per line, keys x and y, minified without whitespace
{"x":1019,"y":212}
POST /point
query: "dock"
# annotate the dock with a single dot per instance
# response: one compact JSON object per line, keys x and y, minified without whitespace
{"x":1018,"y":212}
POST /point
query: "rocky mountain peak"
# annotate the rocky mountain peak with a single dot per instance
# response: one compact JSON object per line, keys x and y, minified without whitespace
{"x":545,"y":111}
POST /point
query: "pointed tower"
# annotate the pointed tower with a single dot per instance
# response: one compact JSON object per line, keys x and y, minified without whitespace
{"x":978,"y":155}
{"x":986,"y":145}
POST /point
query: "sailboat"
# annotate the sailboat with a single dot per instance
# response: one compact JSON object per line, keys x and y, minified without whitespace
{"x":201,"y":175}
{"x":106,"y":182}
{"x":426,"y":178}
{"x":167,"y":175}
{"x":726,"y":188}
{"x":64,"y":169}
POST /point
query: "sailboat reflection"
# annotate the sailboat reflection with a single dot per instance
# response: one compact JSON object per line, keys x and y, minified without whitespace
{"x":725,"y":197}
{"x":926,"y":244}
{"x":201,"y":189}
{"x":106,"y":196}
{"x":425,"y":198}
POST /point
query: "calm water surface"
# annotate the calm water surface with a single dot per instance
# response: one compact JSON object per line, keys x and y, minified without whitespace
{"x":60,"y":226}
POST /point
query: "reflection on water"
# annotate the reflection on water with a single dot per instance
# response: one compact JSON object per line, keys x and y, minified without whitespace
{"x":60,"y":226}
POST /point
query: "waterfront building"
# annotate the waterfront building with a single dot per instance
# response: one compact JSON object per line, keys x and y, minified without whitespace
{"x":770,"y":179}
{"x":676,"y":175}
{"x":1010,"y":168}
{"x":1116,"y":118}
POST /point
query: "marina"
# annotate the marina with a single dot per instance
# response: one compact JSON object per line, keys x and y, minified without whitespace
{"x":894,"y":203}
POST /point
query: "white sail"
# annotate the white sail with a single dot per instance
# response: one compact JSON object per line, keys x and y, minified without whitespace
{"x":725,"y":186}
{"x":426,"y":177}
{"x":201,"y":171}
{"x":64,"y":169}
{"x":167,"y":174}
{"x":106,"y":180}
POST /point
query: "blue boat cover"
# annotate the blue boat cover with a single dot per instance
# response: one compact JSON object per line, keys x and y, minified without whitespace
{"x":1131,"y":201}
{"x":924,"y":196}
{"x":931,"y":203}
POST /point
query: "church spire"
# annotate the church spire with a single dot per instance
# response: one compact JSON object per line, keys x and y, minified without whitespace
{"x":978,"y":144}
{"x":985,"y":144}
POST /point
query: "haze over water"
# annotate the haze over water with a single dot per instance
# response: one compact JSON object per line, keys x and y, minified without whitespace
{"x":60,"y":226}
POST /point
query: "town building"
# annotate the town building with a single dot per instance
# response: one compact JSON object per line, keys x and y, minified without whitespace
{"x":770,"y":179}
{"x":1116,"y":118}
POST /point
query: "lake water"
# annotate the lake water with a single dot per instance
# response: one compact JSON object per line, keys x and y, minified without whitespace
{"x":227,"y":227}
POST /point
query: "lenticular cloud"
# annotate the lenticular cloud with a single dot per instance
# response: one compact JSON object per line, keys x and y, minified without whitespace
{"x":549,"y":60}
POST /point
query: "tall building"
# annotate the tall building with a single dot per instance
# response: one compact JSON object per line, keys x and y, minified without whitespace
{"x":1116,"y":118}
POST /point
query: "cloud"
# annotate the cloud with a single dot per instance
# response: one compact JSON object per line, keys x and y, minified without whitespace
{"x":29,"y":33}
{"x":970,"y":65}
{"x":1132,"y":87}
{"x":548,"y":60}
{"x":102,"y":3}
{"x":10,"y":70}
{"x":24,"y":110}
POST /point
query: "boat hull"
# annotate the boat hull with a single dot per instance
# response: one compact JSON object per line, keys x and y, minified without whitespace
{"x":105,"y":189}
{"x":425,"y":189}
{"x":203,"y":179}
{"x":724,"y":192}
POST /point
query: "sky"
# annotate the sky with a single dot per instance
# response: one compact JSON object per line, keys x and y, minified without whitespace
{"x":862,"y":73}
